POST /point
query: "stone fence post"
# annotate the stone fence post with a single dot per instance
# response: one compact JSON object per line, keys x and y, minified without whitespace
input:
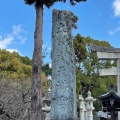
{"x":83,"y":111}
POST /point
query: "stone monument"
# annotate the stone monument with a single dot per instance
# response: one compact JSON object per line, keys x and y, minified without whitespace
{"x":63,"y":101}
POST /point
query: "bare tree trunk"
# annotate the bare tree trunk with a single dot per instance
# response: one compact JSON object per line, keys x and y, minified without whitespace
{"x":36,"y":93}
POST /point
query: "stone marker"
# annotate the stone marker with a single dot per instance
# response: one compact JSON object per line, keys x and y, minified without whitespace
{"x":63,"y":102}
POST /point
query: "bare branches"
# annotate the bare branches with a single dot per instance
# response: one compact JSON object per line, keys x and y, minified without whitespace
{"x":14,"y":100}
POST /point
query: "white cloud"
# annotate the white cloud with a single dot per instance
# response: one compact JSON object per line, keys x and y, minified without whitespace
{"x":112,"y":32}
{"x":6,"y":41}
{"x":116,"y":7}
{"x":13,"y":50}
{"x":16,"y":29}
{"x":15,"y":36}
{"x":17,"y":33}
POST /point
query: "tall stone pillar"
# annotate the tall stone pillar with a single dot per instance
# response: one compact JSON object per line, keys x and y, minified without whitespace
{"x":63,"y":102}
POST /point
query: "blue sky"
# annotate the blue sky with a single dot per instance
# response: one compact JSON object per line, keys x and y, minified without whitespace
{"x":99,"y":19}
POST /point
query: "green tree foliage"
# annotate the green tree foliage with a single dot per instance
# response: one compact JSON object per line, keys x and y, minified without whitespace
{"x":46,"y":69}
{"x":26,"y":60}
{"x":88,"y":70}
{"x":17,"y":68}
{"x":80,"y":48}
{"x":49,"y":3}
{"x":12,"y":66}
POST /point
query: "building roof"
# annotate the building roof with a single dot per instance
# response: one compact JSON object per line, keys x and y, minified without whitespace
{"x":111,"y":98}
{"x":110,"y":94}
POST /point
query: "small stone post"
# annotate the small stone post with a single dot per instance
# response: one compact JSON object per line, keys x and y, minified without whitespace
{"x":63,"y":101}
{"x":89,"y":106}
{"x":83,"y":112}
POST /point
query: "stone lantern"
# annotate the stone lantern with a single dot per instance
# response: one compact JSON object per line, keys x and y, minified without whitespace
{"x":89,"y":106}
{"x":46,"y":104}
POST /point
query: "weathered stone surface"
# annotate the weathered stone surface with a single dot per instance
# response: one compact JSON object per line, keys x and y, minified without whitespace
{"x":96,"y":48}
{"x":83,"y":111}
{"x":108,"y":55}
{"x":89,"y":106}
{"x":108,"y":71}
{"x":63,"y":104}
